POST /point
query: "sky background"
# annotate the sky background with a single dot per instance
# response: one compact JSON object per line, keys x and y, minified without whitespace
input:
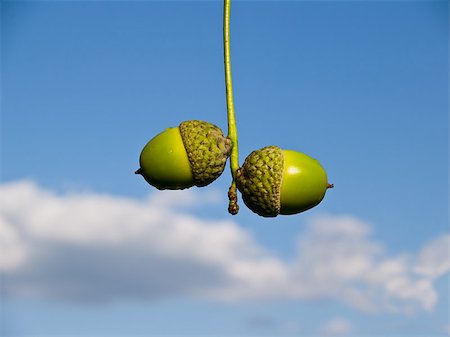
{"x":89,"y":249}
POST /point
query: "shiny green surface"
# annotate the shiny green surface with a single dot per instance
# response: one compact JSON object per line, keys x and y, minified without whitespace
{"x":304,"y":183}
{"x":164,"y":161}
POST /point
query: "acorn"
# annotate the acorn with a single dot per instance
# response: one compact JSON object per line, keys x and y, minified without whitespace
{"x":192,"y":154}
{"x":273,"y":181}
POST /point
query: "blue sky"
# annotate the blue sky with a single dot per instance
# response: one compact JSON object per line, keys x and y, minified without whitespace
{"x":92,"y":250}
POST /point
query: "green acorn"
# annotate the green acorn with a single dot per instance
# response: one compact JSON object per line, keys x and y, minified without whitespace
{"x":192,"y":154}
{"x":273,"y":181}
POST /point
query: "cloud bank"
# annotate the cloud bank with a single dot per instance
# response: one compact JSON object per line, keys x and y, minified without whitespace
{"x":90,"y":247}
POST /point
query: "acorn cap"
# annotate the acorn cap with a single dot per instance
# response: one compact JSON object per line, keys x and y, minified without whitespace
{"x":207,"y":149}
{"x":259,"y":180}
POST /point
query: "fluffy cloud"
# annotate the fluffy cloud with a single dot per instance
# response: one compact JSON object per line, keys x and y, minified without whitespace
{"x":92,"y":247}
{"x":338,"y":258}
{"x":433,"y":260}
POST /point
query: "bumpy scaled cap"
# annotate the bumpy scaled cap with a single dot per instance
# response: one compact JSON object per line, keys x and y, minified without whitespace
{"x":259,"y":180}
{"x":207,"y":149}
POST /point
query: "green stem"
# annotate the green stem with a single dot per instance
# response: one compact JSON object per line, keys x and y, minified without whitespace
{"x":232,"y":130}
{"x":233,"y":207}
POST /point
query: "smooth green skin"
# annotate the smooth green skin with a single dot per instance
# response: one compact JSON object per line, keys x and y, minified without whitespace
{"x":164,"y":161}
{"x":304,"y":183}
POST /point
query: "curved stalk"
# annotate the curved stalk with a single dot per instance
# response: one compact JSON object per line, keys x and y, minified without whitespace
{"x":232,"y":130}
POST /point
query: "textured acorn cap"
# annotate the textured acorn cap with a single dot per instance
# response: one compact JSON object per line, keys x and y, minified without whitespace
{"x":259,"y":180}
{"x":207,"y":149}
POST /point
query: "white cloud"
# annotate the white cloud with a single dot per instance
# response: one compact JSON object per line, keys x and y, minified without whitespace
{"x":433,"y":260}
{"x":338,"y":258}
{"x":93,"y":247}
{"x":337,"y":327}
{"x":12,"y":247}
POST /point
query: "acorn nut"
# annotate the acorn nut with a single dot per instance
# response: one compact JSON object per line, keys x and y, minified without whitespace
{"x":192,"y":154}
{"x":273,"y":181}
